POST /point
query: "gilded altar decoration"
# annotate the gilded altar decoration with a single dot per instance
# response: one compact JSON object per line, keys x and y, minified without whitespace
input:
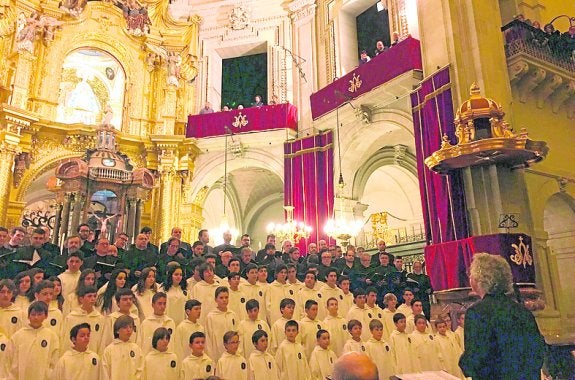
{"x":522,"y":255}
{"x":238,"y":18}
{"x":240,"y":121}
{"x":355,"y":83}
{"x":137,"y":20}
{"x":172,"y":60}
{"x":73,"y":7}
{"x":37,"y":25}
{"x":485,"y":138}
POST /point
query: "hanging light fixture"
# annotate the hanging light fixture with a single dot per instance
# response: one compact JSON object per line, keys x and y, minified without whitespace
{"x":224,"y":226}
{"x":339,"y":227}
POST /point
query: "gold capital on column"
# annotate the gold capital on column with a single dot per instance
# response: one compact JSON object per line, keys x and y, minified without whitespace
{"x":8,"y":151}
{"x":166,"y":212}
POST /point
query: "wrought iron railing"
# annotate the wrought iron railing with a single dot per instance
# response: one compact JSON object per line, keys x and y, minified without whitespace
{"x":522,"y":38}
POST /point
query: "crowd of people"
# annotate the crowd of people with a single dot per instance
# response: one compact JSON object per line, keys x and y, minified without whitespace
{"x":560,"y":44}
{"x":258,"y":102}
{"x":102,"y":310}
{"x":379,"y":48}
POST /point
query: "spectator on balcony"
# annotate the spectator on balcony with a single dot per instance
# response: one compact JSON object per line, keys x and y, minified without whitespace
{"x":240,"y":106}
{"x":536,"y":24}
{"x":275,"y":100}
{"x":364,"y":58}
{"x":379,"y":48}
{"x":226,"y":108}
{"x":258,"y":102}
{"x":207,"y":109}
{"x":394,"y":38}
{"x":569,"y":40}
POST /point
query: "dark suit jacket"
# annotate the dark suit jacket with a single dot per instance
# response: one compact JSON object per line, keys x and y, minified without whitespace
{"x":502,"y":341}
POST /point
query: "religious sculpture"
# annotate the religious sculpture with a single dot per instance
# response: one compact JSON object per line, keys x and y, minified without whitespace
{"x":174,"y":62}
{"x":36,"y":25}
{"x":103,"y":220}
{"x":73,"y":7}
{"x":108,"y":115}
{"x":136,"y":15}
{"x":171,"y":59}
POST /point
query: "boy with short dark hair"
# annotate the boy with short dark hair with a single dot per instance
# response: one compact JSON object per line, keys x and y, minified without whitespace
{"x":237,"y":302}
{"x":359,"y":311}
{"x":354,"y":343}
{"x":220,"y":321}
{"x":322,"y":358}
{"x":448,"y":349}
{"x":44,"y":291}
{"x":197,"y":364}
{"x":10,"y":315}
{"x":35,"y":341}
{"x":290,"y":355}
{"x":186,"y":328}
{"x":416,"y":309}
{"x":287,"y":308}
{"x":379,"y":350}
{"x":309,"y":326}
{"x":336,"y":325}
{"x":400,"y":343}
{"x":123,"y":359}
{"x":253,"y":289}
{"x":160,"y":360}
{"x":232,"y":365}
{"x":125,"y":300}
{"x":86,"y":313}
{"x":424,"y":345}
{"x":156,"y":320}
{"x":247,"y":327}
{"x":79,"y":362}
{"x":261,"y":364}
{"x":345,"y":304}
{"x":459,"y":331}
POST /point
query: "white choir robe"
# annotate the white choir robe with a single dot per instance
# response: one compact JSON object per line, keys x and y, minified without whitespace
{"x":374,"y":312}
{"x":338,"y":335}
{"x":69,"y":282}
{"x":410,"y":325}
{"x":308,"y":329}
{"x":278,"y":335}
{"x":164,"y":365}
{"x":360,"y":315}
{"x":194,"y":367}
{"x":70,"y":303}
{"x":449,"y":354}
{"x":246,"y":329}
{"x":232,"y":367}
{"x":22,"y":302}
{"x":6,"y":352}
{"x":123,"y":360}
{"x":55,"y":322}
{"x":206,"y":294}
{"x":292,"y":362}
{"x":275,"y":293}
{"x":403,"y":351}
{"x":218,"y":323}
{"x":321,"y":363}
{"x":345,"y":304}
{"x":388,"y":325}
{"x":12,"y":319}
{"x":460,"y":337}
{"x":237,"y":303}
{"x":381,"y":354}
{"x":108,"y":337}
{"x":74,"y":365}
{"x":149,"y":326}
{"x":176,"y":303}
{"x":256,"y":292}
{"x":305,"y":294}
{"x":352,"y":345}
{"x":181,"y":339}
{"x":97,"y":326}
{"x":425,"y":351}
{"x":405,"y":310}
{"x":145,"y":301}
{"x":326,"y":293}
{"x":36,"y":352}
{"x":262,"y":366}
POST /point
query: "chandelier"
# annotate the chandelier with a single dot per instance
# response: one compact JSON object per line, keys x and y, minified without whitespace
{"x":290,"y":230}
{"x":339,"y":227}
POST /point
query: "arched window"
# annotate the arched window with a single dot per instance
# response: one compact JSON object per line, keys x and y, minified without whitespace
{"x":92,"y":89}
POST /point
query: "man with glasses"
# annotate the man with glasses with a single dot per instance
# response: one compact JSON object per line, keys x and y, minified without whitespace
{"x":87,"y":248}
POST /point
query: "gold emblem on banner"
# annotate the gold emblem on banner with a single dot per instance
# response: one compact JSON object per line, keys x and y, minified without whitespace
{"x":522,"y":255}
{"x":354,"y":83}
{"x":240,"y":121}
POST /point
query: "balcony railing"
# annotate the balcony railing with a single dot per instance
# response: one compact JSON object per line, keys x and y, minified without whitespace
{"x":397,"y":60}
{"x":521,"y":38}
{"x":109,"y":173}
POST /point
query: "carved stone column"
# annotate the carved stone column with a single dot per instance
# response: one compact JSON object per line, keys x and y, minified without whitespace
{"x":57,"y":220}
{"x":8,"y":150}
{"x":166,"y":211}
{"x":65,"y":222}
{"x":79,"y":199}
{"x":24,"y":66}
{"x":138,"y":215}
{"x":131,"y":218}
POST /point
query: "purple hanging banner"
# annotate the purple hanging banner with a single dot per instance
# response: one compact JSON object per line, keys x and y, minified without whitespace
{"x":442,"y":196}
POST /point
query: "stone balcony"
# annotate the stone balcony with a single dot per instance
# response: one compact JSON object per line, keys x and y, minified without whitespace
{"x":538,"y":70}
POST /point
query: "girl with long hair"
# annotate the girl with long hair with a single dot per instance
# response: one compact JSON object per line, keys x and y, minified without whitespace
{"x":175,"y":288}
{"x":58,"y":301}
{"x":87,"y":278}
{"x":145,"y":290}
{"x":23,"y":281}
{"x":105,"y":300}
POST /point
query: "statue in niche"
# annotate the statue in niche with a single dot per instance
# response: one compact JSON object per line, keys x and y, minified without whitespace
{"x":108,"y":115}
{"x":171,"y":59}
{"x":174,"y":62}
{"x":136,"y":15}
{"x":49,"y":26}
{"x":239,"y":18}
{"x":73,"y":7}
